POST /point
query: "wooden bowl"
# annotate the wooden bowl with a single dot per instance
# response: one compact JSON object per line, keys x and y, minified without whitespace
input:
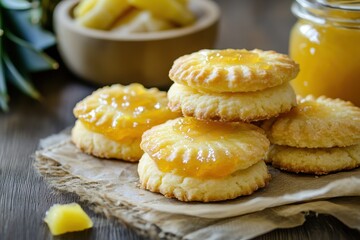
{"x":105,"y":57}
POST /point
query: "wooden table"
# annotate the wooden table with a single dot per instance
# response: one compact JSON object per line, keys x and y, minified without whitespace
{"x":25,"y":197}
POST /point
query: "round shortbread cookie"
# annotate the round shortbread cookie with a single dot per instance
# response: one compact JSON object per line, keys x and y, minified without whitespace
{"x":119,"y":112}
{"x":233,"y":70}
{"x":316,"y":123}
{"x":314,"y":160}
{"x":247,"y":106}
{"x":242,"y":182}
{"x":98,"y":145}
{"x":204,"y":149}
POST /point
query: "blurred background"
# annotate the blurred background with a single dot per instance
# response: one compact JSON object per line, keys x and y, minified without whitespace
{"x":263,"y":24}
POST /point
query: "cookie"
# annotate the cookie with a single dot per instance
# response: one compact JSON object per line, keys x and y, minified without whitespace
{"x":233,"y":70}
{"x":204,"y":149}
{"x":98,"y":145}
{"x":241,"y":182}
{"x":314,"y":160}
{"x":316,"y":123}
{"x":121,"y":114}
{"x":247,"y":106}
{"x":120,"y":111}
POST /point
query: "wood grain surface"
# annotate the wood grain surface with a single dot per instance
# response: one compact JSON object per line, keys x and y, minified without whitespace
{"x":25,"y":197}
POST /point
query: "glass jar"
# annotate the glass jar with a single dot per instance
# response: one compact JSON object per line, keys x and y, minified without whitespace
{"x":325,"y":41}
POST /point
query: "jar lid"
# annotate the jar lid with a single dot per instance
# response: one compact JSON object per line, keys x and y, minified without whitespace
{"x":344,"y":13}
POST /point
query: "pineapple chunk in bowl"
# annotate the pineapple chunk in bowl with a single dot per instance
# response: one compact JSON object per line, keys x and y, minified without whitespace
{"x":124,"y":56}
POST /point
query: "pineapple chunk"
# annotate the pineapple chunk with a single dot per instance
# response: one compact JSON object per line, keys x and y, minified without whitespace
{"x":140,"y":21}
{"x":173,"y":10}
{"x":183,"y":2}
{"x":84,"y":7}
{"x":67,"y":218}
{"x":103,"y":14}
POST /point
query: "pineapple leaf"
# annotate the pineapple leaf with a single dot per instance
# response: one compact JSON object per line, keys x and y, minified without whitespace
{"x":4,"y":98}
{"x":15,"y":4}
{"x":52,"y":64}
{"x":18,"y":80}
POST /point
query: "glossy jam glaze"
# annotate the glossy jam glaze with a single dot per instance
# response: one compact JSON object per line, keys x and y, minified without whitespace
{"x":120,"y":112}
{"x":232,"y":57}
{"x":204,"y":149}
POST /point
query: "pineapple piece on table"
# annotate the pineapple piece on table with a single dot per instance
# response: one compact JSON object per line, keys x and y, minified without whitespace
{"x":67,"y":218}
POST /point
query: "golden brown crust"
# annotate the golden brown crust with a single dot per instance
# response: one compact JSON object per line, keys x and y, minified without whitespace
{"x":243,"y":182}
{"x":247,"y":107}
{"x":267,"y":69}
{"x":314,"y":161}
{"x":98,"y":145}
{"x":218,"y":148}
{"x":316,"y":123}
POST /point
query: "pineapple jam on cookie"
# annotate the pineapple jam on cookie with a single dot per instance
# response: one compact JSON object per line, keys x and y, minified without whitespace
{"x":118,"y":115}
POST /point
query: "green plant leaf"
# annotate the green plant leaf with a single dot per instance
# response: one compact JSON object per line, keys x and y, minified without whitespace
{"x":4,"y":98}
{"x":18,"y":80}
{"x":20,"y":25}
{"x":36,"y":60}
{"x":16,"y":4}
{"x":21,"y":47}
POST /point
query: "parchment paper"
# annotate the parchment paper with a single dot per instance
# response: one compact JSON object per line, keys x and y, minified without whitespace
{"x":112,"y":187}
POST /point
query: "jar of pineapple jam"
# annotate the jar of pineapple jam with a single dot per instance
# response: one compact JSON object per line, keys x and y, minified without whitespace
{"x":325,"y":41}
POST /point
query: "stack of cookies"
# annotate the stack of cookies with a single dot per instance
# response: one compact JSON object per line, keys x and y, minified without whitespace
{"x":232,"y":85}
{"x":214,"y":153}
{"x":318,"y":136}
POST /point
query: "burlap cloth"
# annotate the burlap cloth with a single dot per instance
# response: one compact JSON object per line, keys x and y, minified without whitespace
{"x":111,"y":188}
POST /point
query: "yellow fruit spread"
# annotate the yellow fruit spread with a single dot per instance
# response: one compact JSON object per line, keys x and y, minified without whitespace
{"x":200,"y":132}
{"x":329,"y":58}
{"x":204,"y":149}
{"x":120,"y":112}
{"x":232,"y":57}
{"x":67,"y":218}
{"x":196,"y":130}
